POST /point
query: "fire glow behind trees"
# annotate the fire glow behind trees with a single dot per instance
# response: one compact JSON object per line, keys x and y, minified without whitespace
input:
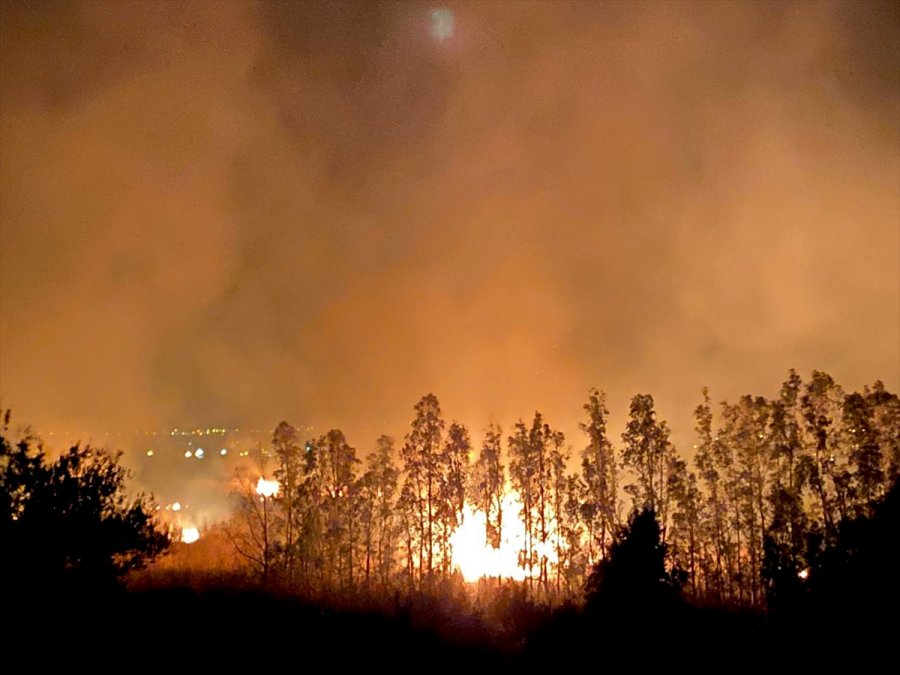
{"x":749,"y":517}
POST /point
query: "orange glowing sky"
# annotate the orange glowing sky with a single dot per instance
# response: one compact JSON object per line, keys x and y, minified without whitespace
{"x":235,"y":213}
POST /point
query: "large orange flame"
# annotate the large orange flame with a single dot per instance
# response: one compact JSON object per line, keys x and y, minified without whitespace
{"x":476,"y":558}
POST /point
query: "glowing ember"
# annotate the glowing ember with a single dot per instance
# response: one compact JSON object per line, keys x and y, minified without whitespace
{"x":475,"y":558}
{"x":267,"y":488}
{"x":189,"y":535}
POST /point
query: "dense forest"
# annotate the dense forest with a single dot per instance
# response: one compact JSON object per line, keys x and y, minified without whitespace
{"x":746,"y":516}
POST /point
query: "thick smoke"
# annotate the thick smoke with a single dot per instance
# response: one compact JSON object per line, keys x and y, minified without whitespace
{"x":225,"y":214}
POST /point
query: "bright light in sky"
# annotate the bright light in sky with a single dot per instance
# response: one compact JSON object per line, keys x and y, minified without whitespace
{"x":442,"y":24}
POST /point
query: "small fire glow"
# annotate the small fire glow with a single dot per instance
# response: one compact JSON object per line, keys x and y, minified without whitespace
{"x":267,"y":488}
{"x":189,"y":534}
{"x":803,"y":574}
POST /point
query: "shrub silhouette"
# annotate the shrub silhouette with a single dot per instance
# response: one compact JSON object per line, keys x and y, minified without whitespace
{"x":69,"y":523}
{"x":634,"y":573}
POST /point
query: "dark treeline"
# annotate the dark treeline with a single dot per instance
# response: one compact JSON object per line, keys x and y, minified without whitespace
{"x":841,"y":616}
{"x":777,"y":537}
{"x":746,"y":519}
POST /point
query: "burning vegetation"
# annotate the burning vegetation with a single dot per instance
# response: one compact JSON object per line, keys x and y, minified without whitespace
{"x":746,"y":519}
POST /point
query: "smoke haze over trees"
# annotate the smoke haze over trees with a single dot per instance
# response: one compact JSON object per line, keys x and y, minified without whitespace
{"x":246,"y":212}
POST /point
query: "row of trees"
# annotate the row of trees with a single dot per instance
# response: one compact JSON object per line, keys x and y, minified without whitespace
{"x":768,"y":484}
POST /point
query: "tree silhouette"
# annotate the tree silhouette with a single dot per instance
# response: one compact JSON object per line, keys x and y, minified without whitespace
{"x":378,"y":486}
{"x":600,"y":472}
{"x":634,"y":574}
{"x":425,"y":467}
{"x":487,"y":484}
{"x":69,"y":522}
{"x":646,"y":453}
{"x":287,"y":446}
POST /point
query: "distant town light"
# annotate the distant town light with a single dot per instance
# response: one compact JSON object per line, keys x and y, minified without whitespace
{"x":199,"y":454}
{"x":803,"y":574}
{"x":223,"y":452}
{"x":150,"y":453}
{"x":188,"y":453}
{"x":442,"y":24}
{"x":176,"y":506}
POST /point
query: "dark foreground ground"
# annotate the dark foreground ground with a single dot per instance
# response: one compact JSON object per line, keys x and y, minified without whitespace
{"x":219,"y":630}
{"x":846,"y":620}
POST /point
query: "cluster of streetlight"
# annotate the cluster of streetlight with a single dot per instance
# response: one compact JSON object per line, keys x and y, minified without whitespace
{"x":199,"y":453}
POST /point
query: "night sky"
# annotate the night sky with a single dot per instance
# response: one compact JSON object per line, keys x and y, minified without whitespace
{"x":231,"y":214}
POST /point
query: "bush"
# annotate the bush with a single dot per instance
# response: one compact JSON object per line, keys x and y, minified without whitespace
{"x":69,"y":522}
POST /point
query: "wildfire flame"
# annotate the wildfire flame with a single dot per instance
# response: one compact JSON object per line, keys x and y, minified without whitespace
{"x":189,"y":534}
{"x":475,"y":558}
{"x":267,"y":488}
